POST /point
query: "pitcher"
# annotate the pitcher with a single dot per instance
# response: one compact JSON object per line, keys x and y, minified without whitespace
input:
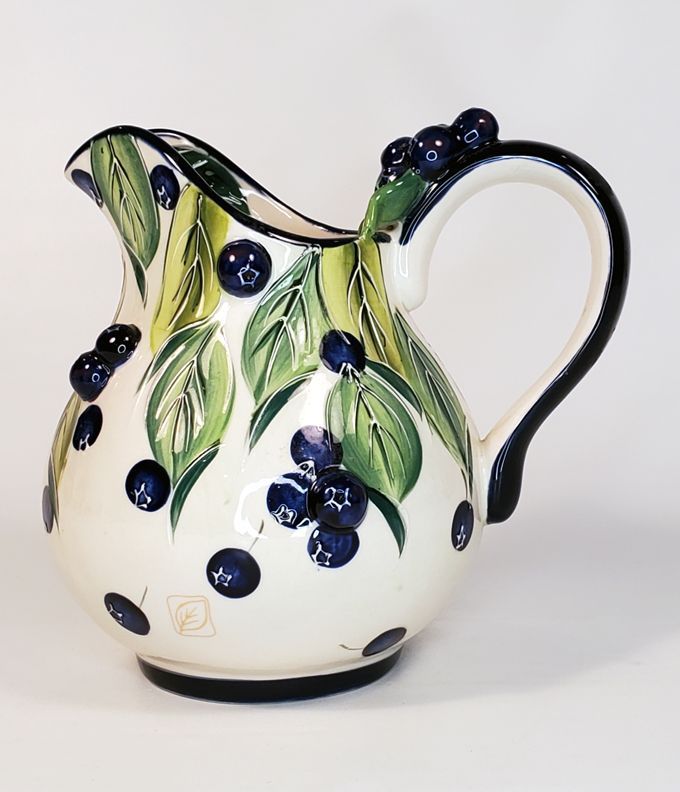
{"x":264,"y":482}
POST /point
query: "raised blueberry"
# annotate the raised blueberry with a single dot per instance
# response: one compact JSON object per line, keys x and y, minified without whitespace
{"x":117,"y":343}
{"x":233,"y":573}
{"x":474,"y":127}
{"x":47,"y":510}
{"x":86,"y":183}
{"x":396,"y":153}
{"x":432,"y":150}
{"x":88,"y":427}
{"x":331,"y":549}
{"x":89,"y":375}
{"x":338,"y":500}
{"x":287,"y":499}
{"x":388,"y":175}
{"x":340,"y":351}
{"x":243,"y":268}
{"x":165,"y":186}
{"x":147,"y":485}
{"x":313,"y":449}
{"x":124,"y":612}
{"x":384,"y":641}
{"x":462,"y":525}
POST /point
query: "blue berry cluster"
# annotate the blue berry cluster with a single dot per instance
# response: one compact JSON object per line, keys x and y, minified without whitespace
{"x":432,"y":151}
{"x":91,"y":372}
{"x":320,"y":493}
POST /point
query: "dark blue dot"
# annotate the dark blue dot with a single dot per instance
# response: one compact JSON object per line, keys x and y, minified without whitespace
{"x":396,"y":153}
{"x":287,"y":499}
{"x":332,"y":549}
{"x":243,"y":268}
{"x":165,"y":186}
{"x":88,"y":427}
{"x":384,"y":641}
{"x":147,"y":485}
{"x":462,"y":525}
{"x":313,"y":448}
{"x":124,"y":612}
{"x":432,"y":150}
{"x":86,"y":183}
{"x":233,"y":573}
{"x":89,"y":376}
{"x":47,"y":510}
{"x":338,"y":499}
{"x":340,"y":351}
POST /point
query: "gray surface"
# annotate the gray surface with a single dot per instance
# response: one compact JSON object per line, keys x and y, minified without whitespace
{"x":556,"y":667}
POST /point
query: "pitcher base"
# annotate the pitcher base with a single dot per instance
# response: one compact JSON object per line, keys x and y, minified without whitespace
{"x":240,"y":691}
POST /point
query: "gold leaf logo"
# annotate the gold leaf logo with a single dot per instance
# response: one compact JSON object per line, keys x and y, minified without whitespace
{"x":191,"y":615}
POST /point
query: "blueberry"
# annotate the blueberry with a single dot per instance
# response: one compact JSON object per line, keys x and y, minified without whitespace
{"x":313,"y":449}
{"x":243,"y":268}
{"x":287,"y":499}
{"x":338,"y":500}
{"x":474,"y":127}
{"x":233,"y":573}
{"x":462,"y":525}
{"x":396,"y":153}
{"x":89,"y":375}
{"x":388,"y":175}
{"x":165,"y":186}
{"x":147,"y":485}
{"x":384,"y":641}
{"x":126,"y":613}
{"x":117,"y":344}
{"x":88,"y":427}
{"x":47,"y":510}
{"x":432,"y":150}
{"x":86,"y":183}
{"x":331,"y":549}
{"x":341,"y":350}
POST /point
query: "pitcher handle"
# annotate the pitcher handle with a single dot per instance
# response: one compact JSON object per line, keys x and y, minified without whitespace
{"x":504,"y":448}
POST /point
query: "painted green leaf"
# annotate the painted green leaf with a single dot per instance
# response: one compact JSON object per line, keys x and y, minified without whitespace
{"x":380,"y":442}
{"x":187,"y":480}
{"x":216,"y":175}
{"x":442,"y":407}
{"x":392,"y":202}
{"x":283,"y":335}
{"x":397,"y":382}
{"x":122,"y":180}
{"x":190,"y":290}
{"x":354,"y":293}
{"x":390,"y":511}
{"x":190,"y":404}
{"x":60,"y":446}
{"x":268,"y":410}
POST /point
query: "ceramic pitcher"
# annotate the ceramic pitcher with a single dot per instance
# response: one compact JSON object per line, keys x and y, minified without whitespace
{"x":264,"y":482}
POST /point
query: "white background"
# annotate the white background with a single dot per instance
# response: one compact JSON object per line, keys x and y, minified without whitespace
{"x":558,"y":665}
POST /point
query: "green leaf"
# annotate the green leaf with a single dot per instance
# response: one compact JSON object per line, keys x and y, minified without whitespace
{"x":190,"y":290}
{"x":390,"y":511}
{"x":392,"y":202}
{"x":190,"y":404}
{"x":216,"y":175}
{"x":380,"y":442}
{"x":60,"y":447}
{"x":282,"y":338}
{"x":397,"y":382}
{"x":187,"y":480}
{"x":268,"y":410}
{"x":441,"y":405}
{"x":354,"y":293}
{"x":120,"y":174}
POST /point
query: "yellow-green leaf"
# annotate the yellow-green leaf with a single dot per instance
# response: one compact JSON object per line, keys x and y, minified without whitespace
{"x":190,"y":290}
{"x":60,"y":446}
{"x":355,"y":295}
